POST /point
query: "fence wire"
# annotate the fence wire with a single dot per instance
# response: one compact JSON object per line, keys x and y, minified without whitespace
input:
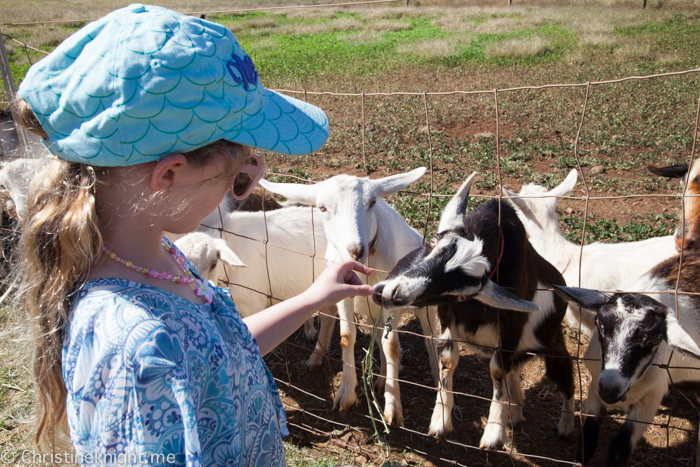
{"x":315,"y":421}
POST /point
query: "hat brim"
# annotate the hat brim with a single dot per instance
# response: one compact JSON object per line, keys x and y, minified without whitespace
{"x":285,"y":126}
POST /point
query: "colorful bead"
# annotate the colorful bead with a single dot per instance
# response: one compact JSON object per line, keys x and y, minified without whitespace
{"x":202,"y":289}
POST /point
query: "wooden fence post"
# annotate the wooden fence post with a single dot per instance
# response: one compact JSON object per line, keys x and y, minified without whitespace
{"x":9,"y":82}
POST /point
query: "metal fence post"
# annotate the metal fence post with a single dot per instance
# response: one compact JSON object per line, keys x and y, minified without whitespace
{"x":9,"y":82}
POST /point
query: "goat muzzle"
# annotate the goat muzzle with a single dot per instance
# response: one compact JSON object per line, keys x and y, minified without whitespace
{"x":377,"y":296}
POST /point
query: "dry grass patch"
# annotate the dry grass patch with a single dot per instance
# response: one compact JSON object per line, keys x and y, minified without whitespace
{"x":599,"y":38}
{"x":457,"y":22}
{"x":16,"y":394}
{"x":388,"y":26}
{"x":364,"y":37}
{"x":379,"y":13}
{"x":518,"y":48}
{"x":632,"y":49}
{"x":313,"y":13}
{"x":432,"y":48}
{"x":500,"y":26}
{"x":338,"y":25}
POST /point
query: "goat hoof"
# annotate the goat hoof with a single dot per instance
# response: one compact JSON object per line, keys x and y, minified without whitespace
{"x":345,"y":399}
{"x":567,"y":437}
{"x":492,"y":440}
{"x":313,"y":364}
{"x":393,"y":414}
{"x":311,"y":335}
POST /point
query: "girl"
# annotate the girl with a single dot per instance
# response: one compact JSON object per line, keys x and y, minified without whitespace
{"x":152,"y":115}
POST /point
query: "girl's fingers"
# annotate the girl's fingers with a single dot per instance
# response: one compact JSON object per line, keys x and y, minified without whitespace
{"x":352,"y":279}
{"x":359,"y":267}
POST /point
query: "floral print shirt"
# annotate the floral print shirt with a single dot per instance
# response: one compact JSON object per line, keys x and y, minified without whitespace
{"x":155,"y":379}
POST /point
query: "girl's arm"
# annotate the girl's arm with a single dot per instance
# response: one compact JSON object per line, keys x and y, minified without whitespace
{"x":338,"y":281}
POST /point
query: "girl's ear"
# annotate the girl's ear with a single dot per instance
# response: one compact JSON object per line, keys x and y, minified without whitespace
{"x":166,"y":171}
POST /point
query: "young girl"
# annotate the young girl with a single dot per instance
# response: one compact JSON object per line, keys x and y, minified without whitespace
{"x":152,"y":115}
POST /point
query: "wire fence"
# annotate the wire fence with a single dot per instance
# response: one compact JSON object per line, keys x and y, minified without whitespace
{"x":455,"y":452}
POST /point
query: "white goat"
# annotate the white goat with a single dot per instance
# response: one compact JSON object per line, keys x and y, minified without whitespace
{"x":633,"y":343}
{"x":208,"y":254}
{"x":604,"y":266}
{"x":360,"y":225}
{"x":15,"y":177}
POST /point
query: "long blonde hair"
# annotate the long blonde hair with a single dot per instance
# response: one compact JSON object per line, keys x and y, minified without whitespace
{"x":60,"y":241}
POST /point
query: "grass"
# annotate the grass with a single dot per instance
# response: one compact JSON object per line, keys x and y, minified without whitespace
{"x":429,"y":47}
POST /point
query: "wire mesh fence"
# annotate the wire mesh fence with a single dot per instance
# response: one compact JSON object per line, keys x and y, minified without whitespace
{"x":312,"y":420}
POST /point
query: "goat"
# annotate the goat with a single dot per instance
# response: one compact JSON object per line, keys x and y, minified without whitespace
{"x":15,"y":177}
{"x":207,"y":254}
{"x":359,"y":225}
{"x":604,"y":266}
{"x":687,"y":233}
{"x":452,"y":271}
{"x":636,"y":334}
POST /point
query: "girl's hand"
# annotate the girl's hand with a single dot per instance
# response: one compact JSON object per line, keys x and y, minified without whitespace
{"x":339,"y":281}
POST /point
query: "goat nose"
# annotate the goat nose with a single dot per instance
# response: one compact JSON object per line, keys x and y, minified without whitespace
{"x":357,"y":252}
{"x":609,"y":392}
{"x":377,"y":297}
{"x":685,"y":244}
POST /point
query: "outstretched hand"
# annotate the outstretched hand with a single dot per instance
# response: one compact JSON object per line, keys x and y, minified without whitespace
{"x":339,"y":281}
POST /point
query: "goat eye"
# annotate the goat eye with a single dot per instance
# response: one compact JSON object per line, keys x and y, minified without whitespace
{"x":461,"y":298}
{"x":656,"y":341}
{"x":322,"y":208}
{"x":433,"y":242}
{"x":372,"y":204}
{"x":600,"y":326}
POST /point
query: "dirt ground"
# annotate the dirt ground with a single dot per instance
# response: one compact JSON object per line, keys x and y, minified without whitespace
{"x":318,"y":432}
{"x":321,"y":432}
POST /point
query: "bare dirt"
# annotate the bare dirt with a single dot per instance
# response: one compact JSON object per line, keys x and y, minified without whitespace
{"x":316,"y":428}
{"x":534,"y":146}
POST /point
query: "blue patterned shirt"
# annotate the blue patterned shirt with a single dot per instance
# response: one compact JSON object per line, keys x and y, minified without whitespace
{"x":154,"y":377}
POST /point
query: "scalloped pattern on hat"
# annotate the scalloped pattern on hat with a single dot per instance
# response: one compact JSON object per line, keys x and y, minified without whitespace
{"x":144,"y":82}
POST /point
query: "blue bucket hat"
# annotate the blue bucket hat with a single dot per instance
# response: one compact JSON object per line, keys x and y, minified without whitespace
{"x":145,"y":82}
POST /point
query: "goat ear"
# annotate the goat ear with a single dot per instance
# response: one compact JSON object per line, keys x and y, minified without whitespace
{"x":386,"y":186}
{"x":517,"y":203}
{"x":453,"y":215}
{"x":295,"y":192}
{"x":670,"y":171}
{"x":566,"y":186}
{"x":586,"y":298}
{"x":496,"y":296}
{"x":227,"y":254}
{"x":678,"y":339}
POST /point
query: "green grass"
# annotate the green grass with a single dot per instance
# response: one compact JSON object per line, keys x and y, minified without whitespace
{"x":609,"y":231}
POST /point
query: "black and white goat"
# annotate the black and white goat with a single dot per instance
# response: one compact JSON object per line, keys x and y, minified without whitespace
{"x":455,"y":271}
{"x":635,"y":334}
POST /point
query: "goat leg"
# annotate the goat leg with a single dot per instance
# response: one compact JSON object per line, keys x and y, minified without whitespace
{"x":345,"y":397}
{"x":592,"y":408}
{"x":638,"y":420}
{"x":393,"y":411}
{"x":428,"y":318}
{"x":441,"y":421}
{"x":495,"y":432}
{"x":561,"y":369}
{"x":326,"y":324}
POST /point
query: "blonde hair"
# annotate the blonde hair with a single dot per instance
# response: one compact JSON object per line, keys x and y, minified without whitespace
{"x":60,"y":241}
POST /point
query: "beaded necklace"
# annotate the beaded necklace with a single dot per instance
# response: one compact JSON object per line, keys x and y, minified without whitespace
{"x":201,"y":287}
